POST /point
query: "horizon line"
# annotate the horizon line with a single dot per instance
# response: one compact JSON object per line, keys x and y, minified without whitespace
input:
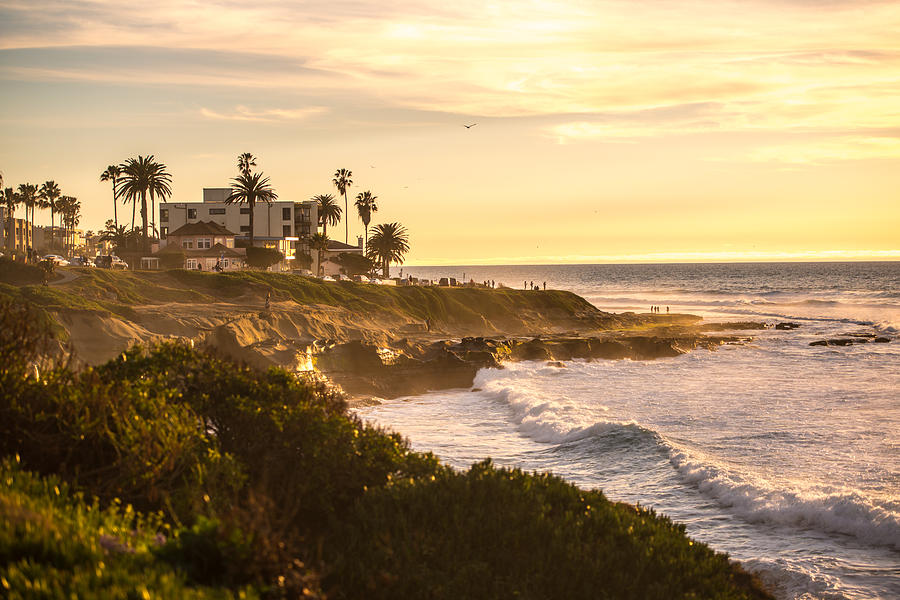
{"x":831,"y":256}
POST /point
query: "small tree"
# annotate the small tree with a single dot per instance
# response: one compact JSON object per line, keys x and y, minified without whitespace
{"x":302,"y":259}
{"x":263,"y":258}
{"x":172,"y":260}
{"x":354,"y":264}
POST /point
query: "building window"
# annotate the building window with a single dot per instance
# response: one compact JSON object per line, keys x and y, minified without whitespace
{"x":192,"y":213}
{"x":245,"y":229}
{"x":189,"y":244}
{"x":164,"y":214}
{"x":191,"y":263}
{"x":286,"y":213}
{"x":286,"y":230}
{"x":203,"y":243}
{"x":245,"y":211}
{"x":163,"y":232}
{"x":229,"y":243}
{"x":217,"y":211}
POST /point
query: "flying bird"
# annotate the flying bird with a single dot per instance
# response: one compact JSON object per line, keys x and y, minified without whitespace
{"x":470,"y":126}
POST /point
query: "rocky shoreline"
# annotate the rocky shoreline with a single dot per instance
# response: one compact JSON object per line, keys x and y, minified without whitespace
{"x":407,"y":367}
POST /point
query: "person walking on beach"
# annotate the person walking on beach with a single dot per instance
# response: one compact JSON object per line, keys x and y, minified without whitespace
{"x":268,"y":298}
{"x":545,"y":286}
{"x":524,"y":285}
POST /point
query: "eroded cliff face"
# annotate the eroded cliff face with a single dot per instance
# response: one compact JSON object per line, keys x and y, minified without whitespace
{"x":405,"y":367}
{"x":384,"y":353}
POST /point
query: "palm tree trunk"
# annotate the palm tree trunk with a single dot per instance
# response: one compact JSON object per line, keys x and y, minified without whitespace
{"x":144,"y":220}
{"x":115,"y":216}
{"x":346,"y":220}
{"x":133,"y":210}
{"x":251,"y":204}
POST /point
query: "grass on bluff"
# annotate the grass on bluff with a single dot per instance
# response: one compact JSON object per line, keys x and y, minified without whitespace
{"x":118,"y":291}
{"x":262,"y":483}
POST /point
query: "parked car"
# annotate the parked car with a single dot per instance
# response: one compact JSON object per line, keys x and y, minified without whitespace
{"x":111,"y":261}
{"x":81,"y":261}
{"x":58,"y":260}
{"x":360,"y":278}
{"x":326,"y":278}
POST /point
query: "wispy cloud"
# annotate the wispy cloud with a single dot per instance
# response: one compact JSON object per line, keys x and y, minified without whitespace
{"x":830,"y":150}
{"x":244,"y":113}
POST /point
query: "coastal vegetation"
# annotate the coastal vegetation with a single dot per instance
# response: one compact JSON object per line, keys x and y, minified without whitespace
{"x":140,"y":177}
{"x":365,"y":206}
{"x":389,"y":243}
{"x":342,"y":181}
{"x":173,"y":472}
{"x":329,"y":211}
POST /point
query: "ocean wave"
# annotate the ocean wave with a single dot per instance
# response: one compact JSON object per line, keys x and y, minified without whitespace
{"x":789,"y":581}
{"x":845,"y":512}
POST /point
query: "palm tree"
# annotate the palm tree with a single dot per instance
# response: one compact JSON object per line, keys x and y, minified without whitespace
{"x":388,"y":244}
{"x":49,"y":192}
{"x":10,"y":202}
{"x":123,"y":240}
{"x":365,"y":206}
{"x":329,"y":211}
{"x":112,"y":173}
{"x":70,"y":211}
{"x":245,"y":161}
{"x":160,"y":181}
{"x":251,"y":188}
{"x":140,"y":176}
{"x":28,"y":196}
{"x":342,"y":181}
{"x":319,"y":243}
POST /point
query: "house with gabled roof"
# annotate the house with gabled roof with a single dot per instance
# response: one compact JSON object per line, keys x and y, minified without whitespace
{"x":205,"y":244}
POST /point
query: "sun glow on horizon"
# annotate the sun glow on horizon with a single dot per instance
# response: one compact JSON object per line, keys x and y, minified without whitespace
{"x":608,"y":132}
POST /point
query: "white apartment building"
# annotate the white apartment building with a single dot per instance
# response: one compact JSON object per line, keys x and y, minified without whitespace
{"x":283,"y":225}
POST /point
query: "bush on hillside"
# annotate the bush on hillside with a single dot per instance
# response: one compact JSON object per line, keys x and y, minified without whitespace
{"x":263,"y":258}
{"x":172,"y":259}
{"x":264,"y":480}
{"x":354,"y":264}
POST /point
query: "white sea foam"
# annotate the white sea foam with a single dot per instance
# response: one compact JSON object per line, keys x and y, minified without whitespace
{"x":781,"y":454}
{"x":757,"y":500}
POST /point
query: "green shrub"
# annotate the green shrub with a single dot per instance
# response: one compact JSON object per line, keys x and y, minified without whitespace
{"x":263,"y":258}
{"x":55,"y":544}
{"x":263,"y":479}
{"x":501,"y":533}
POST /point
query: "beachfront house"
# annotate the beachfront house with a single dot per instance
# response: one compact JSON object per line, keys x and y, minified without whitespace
{"x":283,"y":225}
{"x":203,"y":245}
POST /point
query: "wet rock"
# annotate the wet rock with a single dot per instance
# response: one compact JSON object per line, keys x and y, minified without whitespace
{"x":739,"y":325}
{"x":787,"y":326}
{"x":881,"y":340}
{"x":556,"y":363}
{"x":839,"y":342}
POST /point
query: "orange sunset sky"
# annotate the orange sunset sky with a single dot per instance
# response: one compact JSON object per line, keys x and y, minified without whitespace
{"x":606,"y":131}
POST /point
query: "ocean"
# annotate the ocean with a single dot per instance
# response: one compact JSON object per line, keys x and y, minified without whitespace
{"x":784,"y":455}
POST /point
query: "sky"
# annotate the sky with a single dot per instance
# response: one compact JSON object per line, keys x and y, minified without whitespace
{"x":607,"y":131}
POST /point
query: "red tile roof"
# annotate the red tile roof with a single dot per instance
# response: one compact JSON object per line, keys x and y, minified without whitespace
{"x":201,"y":228}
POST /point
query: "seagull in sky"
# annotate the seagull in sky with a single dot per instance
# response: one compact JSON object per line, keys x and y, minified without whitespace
{"x":470,"y":126}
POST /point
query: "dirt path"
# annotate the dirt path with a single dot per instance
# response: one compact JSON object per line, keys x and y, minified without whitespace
{"x":67,"y":276}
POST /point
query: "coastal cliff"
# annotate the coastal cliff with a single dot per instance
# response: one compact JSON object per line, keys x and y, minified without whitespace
{"x":382,"y":341}
{"x":281,"y":492}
